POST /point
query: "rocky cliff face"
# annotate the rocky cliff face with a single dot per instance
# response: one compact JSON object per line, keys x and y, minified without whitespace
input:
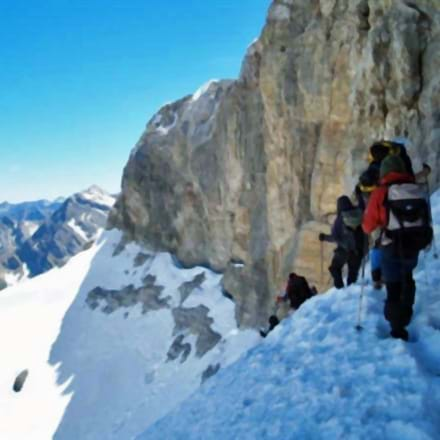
{"x":243,"y":174}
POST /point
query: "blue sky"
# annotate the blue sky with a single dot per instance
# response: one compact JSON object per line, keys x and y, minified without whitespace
{"x":80,"y":79}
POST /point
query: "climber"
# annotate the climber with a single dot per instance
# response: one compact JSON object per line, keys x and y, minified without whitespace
{"x":350,"y":239}
{"x":382,"y":149}
{"x":368,"y":182}
{"x":296,"y":293}
{"x":399,"y":209}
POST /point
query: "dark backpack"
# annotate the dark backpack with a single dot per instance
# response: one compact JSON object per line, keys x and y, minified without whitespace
{"x":298,"y":290}
{"x":409,"y":226}
{"x":352,"y":218}
{"x":351,"y":221}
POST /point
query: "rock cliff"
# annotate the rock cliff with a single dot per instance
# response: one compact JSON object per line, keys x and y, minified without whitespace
{"x":243,"y":174}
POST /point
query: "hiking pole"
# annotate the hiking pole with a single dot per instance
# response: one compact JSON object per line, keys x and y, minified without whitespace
{"x":361,"y":297}
{"x":434,"y":243}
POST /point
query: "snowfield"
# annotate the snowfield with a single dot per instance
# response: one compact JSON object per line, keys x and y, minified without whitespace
{"x":316,"y":377}
{"x":102,"y":370}
{"x":97,"y":375}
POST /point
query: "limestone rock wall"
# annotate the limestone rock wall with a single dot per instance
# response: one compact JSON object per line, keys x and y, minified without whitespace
{"x":242,"y":175}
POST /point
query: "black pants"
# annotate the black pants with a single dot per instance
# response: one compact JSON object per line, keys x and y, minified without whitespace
{"x":399,"y":303}
{"x":401,"y":288}
{"x":342,"y":257}
{"x":376,"y":275}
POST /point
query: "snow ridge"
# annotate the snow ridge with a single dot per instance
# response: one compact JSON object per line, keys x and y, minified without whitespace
{"x":316,"y":377}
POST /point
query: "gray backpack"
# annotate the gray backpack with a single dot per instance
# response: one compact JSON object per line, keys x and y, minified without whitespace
{"x":409,"y":227}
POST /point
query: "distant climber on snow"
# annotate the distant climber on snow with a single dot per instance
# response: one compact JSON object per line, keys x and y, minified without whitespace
{"x":399,"y":209}
{"x":296,"y":293}
{"x":350,"y":240}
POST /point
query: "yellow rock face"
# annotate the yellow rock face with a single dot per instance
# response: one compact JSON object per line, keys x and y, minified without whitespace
{"x":249,"y":171}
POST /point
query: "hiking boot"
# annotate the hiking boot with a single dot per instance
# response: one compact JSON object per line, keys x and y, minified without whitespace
{"x":400,"y":333}
{"x":337,"y":278}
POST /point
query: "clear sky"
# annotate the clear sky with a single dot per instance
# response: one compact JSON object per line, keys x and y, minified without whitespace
{"x":79,"y":79}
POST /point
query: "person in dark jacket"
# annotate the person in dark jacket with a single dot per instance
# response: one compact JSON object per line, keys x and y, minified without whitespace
{"x":296,"y":293}
{"x":397,"y":269}
{"x":350,"y":241}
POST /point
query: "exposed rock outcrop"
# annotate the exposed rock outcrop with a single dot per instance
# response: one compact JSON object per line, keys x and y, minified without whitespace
{"x":250,"y":170}
{"x":195,"y":321}
{"x":179,"y":349}
{"x":212,"y":370}
{"x":186,"y":288}
{"x":148,"y":296}
{"x":20,"y":380}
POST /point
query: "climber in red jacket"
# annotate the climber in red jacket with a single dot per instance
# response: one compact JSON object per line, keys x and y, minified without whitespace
{"x":397,"y":265}
{"x":376,"y":214}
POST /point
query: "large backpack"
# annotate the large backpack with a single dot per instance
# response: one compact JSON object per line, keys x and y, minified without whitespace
{"x":350,"y":221}
{"x":352,"y":218}
{"x":409,"y":227}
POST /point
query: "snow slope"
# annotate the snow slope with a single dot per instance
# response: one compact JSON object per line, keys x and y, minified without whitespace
{"x":316,"y":377}
{"x":97,"y":373}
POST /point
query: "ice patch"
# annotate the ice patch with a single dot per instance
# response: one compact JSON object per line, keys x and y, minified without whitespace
{"x":204,"y":89}
{"x":163,"y":129}
{"x":98,"y":195}
{"x":77,"y":229}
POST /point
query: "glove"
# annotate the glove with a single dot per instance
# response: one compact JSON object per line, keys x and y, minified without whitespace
{"x":321,"y":236}
{"x":427,"y":169}
{"x":279,"y":299}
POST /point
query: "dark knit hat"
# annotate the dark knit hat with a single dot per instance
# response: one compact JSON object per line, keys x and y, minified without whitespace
{"x":379,"y":151}
{"x":343,"y":204}
{"x":390,"y":164}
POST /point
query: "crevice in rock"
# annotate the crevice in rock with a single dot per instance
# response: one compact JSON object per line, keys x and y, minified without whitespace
{"x":423,"y":29}
{"x":364,"y":16}
{"x":424,"y":16}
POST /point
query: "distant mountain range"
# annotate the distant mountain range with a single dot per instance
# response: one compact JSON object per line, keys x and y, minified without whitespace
{"x":36,"y":211}
{"x":36,"y":236}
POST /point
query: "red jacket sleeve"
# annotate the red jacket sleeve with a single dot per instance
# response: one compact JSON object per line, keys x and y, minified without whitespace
{"x":375,"y":215}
